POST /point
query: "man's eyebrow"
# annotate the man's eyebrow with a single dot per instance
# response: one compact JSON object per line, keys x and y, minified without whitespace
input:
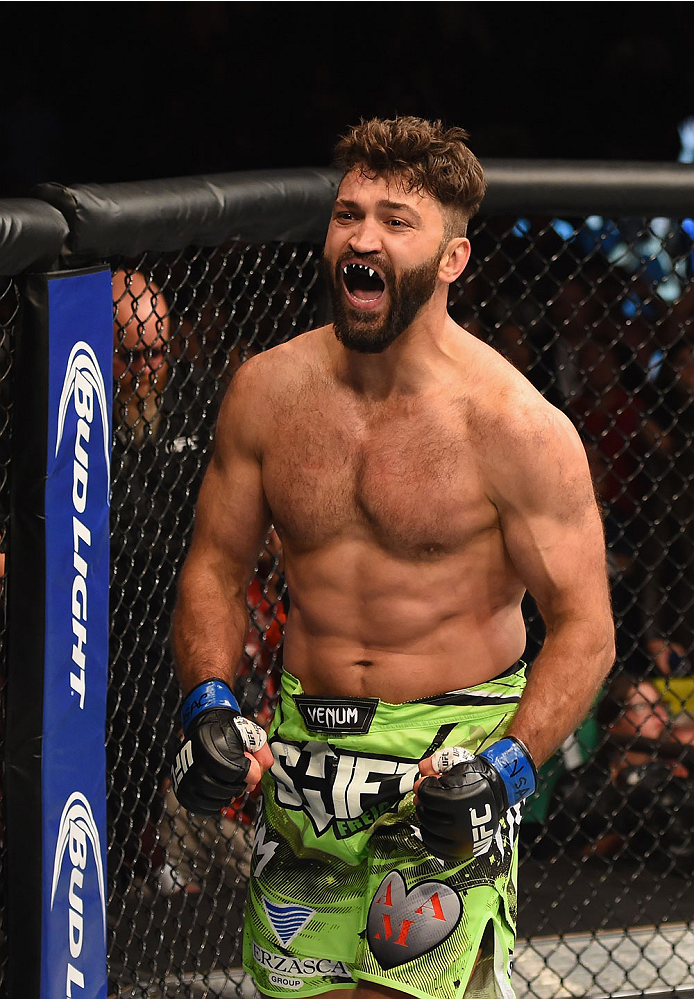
{"x":399,"y":206}
{"x":393,"y":206}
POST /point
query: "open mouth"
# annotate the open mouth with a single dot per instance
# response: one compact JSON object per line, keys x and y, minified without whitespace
{"x":363,"y":283}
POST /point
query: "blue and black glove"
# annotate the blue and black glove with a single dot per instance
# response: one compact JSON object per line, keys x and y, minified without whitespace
{"x":211,"y":766}
{"x":459,"y":812}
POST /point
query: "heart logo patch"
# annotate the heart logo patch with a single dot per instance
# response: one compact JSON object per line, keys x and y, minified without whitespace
{"x":403,"y":925}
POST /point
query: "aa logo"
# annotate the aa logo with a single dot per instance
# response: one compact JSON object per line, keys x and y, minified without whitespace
{"x":403,"y":925}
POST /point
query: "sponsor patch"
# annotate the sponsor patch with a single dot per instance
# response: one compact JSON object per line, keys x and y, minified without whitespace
{"x":287,"y":920}
{"x":305,"y":967}
{"x":284,"y":982}
{"x":403,"y":925}
{"x":336,"y":715}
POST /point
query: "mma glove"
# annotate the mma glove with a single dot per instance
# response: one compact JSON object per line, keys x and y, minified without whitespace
{"x":459,"y":812}
{"x":211,"y":766}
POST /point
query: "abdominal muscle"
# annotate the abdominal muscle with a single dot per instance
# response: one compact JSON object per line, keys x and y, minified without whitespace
{"x":363,"y":623}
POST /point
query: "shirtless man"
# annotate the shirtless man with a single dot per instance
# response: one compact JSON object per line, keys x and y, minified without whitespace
{"x":419,"y":485}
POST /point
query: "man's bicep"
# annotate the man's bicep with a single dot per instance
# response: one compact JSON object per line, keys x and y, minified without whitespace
{"x":232,"y":516}
{"x":561,"y":561}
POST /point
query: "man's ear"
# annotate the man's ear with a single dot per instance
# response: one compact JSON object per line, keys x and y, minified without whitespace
{"x":454,"y":259}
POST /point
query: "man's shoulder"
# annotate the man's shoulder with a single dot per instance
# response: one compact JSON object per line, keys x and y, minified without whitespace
{"x":269,"y":386}
{"x":284,"y":362}
{"x":512,"y":420}
{"x":504,"y":398}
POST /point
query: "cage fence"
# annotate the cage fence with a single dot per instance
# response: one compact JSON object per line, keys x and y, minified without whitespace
{"x":595,"y":312}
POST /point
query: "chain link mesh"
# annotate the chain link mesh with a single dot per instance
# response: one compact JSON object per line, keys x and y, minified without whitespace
{"x":595,"y":312}
{"x":183,"y":324}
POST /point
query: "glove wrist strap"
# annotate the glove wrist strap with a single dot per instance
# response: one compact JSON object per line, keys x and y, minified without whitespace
{"x":515,"y":766}
{"x":211,"y":693}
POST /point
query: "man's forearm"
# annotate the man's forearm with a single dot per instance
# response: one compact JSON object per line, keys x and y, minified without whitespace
{"x":210,"y":627}
{"x":562,"y":685}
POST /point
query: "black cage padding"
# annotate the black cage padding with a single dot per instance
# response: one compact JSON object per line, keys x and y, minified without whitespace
{"x":293,"y":205}
{"x":32,"y":235}
{"x":587,"y":188}
{"x":108,"y":220}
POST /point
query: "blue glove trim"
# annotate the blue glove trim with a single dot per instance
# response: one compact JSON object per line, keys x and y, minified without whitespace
{"x":208,"y":694}
{"x":513,"y":763}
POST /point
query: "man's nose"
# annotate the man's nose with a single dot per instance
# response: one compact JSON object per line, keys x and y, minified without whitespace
{"x":143,"y":364}
{"x":145,"y":361}
{"x":366,"y":237}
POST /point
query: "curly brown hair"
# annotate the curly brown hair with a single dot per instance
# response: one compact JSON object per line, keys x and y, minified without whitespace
{"x":424,"y":156}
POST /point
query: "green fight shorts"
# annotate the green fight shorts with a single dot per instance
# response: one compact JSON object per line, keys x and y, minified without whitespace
{"x":341,"y":886}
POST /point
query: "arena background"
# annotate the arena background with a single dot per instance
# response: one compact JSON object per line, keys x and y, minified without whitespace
{"x":131,"y":91}
{"x":581,"y":275}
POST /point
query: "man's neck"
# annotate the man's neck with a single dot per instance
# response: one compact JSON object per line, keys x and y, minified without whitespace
{"x":407,"y":367}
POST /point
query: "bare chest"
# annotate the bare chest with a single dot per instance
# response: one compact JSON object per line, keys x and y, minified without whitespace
{"x":409,"y":481}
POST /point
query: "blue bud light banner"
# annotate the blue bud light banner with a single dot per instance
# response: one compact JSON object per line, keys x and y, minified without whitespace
{"x":59,"y":624}
{"x":80,"y":382}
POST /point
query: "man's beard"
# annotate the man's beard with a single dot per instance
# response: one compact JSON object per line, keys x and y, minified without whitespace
{"x":369,"y":332}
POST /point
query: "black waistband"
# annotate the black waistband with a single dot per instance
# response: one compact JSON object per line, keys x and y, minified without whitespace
{"x":466,"y":695}
{"x":342,"y":715}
